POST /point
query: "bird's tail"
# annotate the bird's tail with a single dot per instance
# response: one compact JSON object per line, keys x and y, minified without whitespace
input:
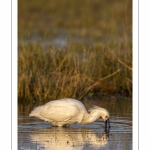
{"x":36,"y":111}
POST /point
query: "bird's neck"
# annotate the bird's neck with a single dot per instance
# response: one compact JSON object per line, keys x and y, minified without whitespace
{"x":89,"y":118}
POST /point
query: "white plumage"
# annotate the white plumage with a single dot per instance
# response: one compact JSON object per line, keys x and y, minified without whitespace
{"x":67,"y":111}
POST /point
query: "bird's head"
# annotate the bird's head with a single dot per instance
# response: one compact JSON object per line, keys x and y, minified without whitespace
{"x":104,"y":114}
{"x":99,"y":112}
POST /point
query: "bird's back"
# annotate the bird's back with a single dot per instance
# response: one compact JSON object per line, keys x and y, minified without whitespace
{"x":63,"y":111}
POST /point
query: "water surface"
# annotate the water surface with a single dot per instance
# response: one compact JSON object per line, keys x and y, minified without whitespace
{"x":35,"y":134}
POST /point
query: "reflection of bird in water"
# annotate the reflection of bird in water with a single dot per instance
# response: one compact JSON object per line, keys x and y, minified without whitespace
{"x":67,"y":111}
{"x":68,"y":138}
{"x":96,"y":140}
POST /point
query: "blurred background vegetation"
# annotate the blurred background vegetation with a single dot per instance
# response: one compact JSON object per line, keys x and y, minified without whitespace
{"x":74,"y":48}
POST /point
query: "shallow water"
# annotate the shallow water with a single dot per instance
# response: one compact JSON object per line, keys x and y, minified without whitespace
{"x":35,"y":134}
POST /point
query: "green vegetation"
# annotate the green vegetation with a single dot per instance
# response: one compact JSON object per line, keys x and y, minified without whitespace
{"x":101,"y":65}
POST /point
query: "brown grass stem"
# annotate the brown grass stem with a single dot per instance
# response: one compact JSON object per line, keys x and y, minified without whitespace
{"x":124,"y":64}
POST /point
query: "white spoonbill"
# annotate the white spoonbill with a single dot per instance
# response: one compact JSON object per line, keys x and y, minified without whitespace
{"x":64,"y":112}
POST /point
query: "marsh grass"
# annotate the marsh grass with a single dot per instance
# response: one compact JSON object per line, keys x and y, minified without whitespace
{"x":104,"y":65}
{"x":74,"y":72}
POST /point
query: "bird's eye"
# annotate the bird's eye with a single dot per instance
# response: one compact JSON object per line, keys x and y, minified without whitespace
{"x":106,"y":116}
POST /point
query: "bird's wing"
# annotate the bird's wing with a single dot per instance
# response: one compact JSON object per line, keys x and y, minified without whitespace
{"x":59,"y":112}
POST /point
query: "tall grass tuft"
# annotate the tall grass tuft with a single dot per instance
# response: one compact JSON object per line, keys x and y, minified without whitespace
{"x":74,"y":72}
